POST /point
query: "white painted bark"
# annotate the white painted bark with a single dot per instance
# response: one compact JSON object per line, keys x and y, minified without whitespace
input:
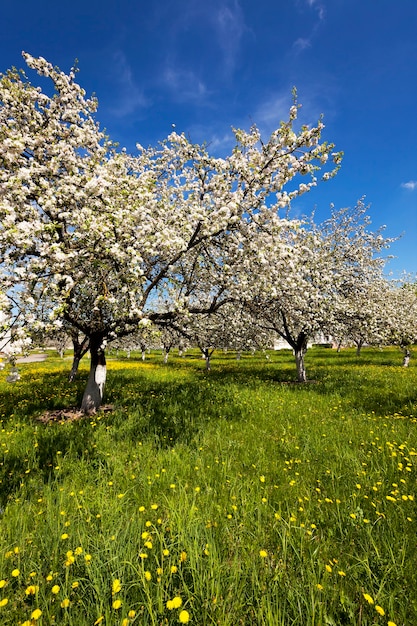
{"x":94,"y":391}
{"x":299,"y":361}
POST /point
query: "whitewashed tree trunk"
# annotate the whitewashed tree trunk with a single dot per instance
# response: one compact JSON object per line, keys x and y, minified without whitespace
{"x":93,"y":394}
{"x":406,"y":359}
{"x":299,"y":361}
{"x":166,"y":354}
{"x":143,"y":355}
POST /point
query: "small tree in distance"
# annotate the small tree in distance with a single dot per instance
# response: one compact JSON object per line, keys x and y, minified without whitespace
{"x":308,"y":290}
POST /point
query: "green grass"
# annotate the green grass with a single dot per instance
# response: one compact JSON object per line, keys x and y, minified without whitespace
{"x":252,"y":498}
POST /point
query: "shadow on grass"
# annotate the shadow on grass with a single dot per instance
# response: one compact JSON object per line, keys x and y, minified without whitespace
{"x":37,"y":462}
{"x":168,"y":412}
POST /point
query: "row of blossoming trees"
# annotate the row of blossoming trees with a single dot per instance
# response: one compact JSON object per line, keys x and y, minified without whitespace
{"x":103,"y":243}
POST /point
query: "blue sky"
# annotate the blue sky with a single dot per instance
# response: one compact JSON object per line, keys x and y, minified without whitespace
{"x":207,"y":65}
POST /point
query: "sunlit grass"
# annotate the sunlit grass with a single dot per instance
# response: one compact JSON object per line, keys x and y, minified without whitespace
{"x":238,"y":497}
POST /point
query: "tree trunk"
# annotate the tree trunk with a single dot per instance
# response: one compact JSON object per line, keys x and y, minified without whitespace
{"x":79,"y":350}
{"x":406,"y":359}
{"x":74,"y":368}
{"x":93,"y":394}
{"x":206,"y":354}
{"x":359,"y":345}
{"x":299,"y":361}
{"x":143,"y":355}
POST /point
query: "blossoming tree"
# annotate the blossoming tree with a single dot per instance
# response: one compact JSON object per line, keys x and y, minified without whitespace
{"x":102,"y":235}
{"x":315,"y":287}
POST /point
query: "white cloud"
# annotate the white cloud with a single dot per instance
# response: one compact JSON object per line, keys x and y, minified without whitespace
{"x":301,"y":44}
{"x":184,"y":84}
{"x":230,"y":27}
{"x":275,"y":107}
{"x":130,"y":96}
{"x":318,"y":6}
{"x":272,"y":110}
{"x":411,"y":185}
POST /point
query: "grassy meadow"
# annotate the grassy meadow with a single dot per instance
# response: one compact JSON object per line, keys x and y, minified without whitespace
{"x":235,"y":497}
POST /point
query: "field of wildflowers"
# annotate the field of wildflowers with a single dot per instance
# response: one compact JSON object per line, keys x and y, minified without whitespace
{"x":234,"y":497}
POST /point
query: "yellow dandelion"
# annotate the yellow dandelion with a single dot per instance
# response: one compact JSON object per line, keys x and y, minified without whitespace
{"x":262,"y":479}
{"x":368,"y":598}
{"x":70,"y":560}
{"x":183,"y":556}
{"x":165,"y":552}
{"x":88,"y":558}
{"x":99,"y":620}
{"x":64,"y":536}
{"x":36,"y":614}
{"x":341,"y":573}
{"x":263,"y":554}
{"x":65,"y":603}
{"x":31,"y":590}
{"x":184,"y":617}
{"x":154,"y":506}
{"x":379,"y":609}
{"x":55,"y":589}
{"x":75,"y":584}
{"x":319,"y":587}
{"x":3,"y":583}
{"x":148,"y":576}
{"x":4,"y":601}
{"x":328,"y":568}
{"x":131,"y":614}
{"x":174,"y":569}
{"x":117,"y":604}
{"x":15,"y":573}
{"x":116,"y":586}
{"x":391,"y":624}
